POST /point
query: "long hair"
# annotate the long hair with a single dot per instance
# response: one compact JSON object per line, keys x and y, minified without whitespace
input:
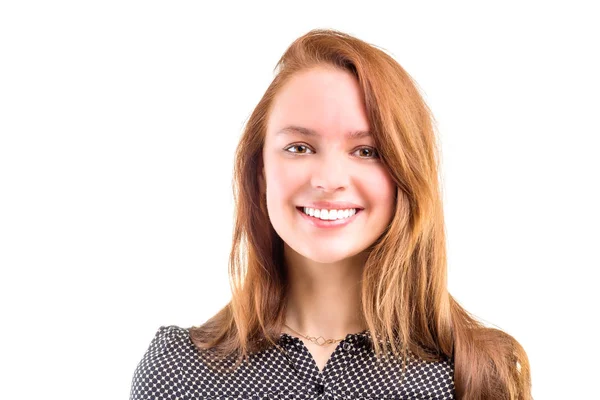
{"x":405,"y":300}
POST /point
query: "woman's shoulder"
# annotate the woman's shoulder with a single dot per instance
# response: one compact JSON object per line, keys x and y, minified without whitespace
{"x":171,"y":337}
{"x":160,"y":372}
{"x":171,"y":340}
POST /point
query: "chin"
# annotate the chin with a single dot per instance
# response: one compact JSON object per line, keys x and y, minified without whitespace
{"x":325,"y":259}
{"x":326,"y":256}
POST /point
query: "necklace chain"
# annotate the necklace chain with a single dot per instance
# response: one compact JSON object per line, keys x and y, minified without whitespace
{"x":321,"y":341}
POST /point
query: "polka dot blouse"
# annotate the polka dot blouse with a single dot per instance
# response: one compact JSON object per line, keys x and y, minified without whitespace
{"x":172,"y":368}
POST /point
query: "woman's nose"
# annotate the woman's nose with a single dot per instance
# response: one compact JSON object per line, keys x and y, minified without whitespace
{"x":330,"y":174}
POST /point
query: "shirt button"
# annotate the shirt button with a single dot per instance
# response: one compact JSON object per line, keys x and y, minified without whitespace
{"x":347,"y":346}
{"x":320,"y":388}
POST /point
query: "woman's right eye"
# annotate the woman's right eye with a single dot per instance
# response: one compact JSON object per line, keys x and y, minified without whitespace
{"x":300,"y":148}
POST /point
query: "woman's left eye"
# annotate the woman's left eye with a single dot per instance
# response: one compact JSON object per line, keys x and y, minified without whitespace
{"x":370,"y":152}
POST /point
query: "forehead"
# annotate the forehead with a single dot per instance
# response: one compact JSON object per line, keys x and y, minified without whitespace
{"x":326,"y":100}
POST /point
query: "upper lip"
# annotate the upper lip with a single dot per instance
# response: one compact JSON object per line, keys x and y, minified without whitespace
{"x":332,"y":205}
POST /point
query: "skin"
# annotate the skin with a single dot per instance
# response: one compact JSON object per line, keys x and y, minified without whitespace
{"x":324,"y":265}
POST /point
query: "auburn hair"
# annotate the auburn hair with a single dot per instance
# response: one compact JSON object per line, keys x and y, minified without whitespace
{"x":405,"y":300}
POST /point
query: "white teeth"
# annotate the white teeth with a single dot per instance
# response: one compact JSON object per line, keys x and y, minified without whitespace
{"x":329,"y":215}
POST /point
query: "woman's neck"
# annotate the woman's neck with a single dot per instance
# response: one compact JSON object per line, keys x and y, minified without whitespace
{"x":324,"y":299}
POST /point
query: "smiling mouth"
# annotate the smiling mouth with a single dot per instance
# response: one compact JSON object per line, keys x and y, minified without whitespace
{"x":329,"y":214}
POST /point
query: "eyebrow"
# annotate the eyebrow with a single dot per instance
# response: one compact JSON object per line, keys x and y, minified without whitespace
{"x":312,"y":133}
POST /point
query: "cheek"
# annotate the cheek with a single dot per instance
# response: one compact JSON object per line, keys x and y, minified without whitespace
{"x":382,"y":190}
{"x":281,"y":181}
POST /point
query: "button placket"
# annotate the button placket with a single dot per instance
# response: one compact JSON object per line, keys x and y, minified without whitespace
{"x":347,"y":351}
{"x":320,"y":388}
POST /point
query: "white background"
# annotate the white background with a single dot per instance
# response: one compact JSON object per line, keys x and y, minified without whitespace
{"x":119,"y":120}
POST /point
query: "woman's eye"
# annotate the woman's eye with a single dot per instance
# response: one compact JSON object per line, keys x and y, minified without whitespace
{"x":300,"y":148}
{"x":367,"y":152}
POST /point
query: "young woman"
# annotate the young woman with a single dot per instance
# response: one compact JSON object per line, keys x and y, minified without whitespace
{"x":338,"y":264}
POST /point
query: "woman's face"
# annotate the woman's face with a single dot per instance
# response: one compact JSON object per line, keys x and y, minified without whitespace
{"x":310,"y":161}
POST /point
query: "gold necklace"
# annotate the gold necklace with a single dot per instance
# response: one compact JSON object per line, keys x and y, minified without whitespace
{"x":316,"y":340}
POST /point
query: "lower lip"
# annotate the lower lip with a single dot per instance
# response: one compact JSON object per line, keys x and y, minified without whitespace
{"x":320,"y":223}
